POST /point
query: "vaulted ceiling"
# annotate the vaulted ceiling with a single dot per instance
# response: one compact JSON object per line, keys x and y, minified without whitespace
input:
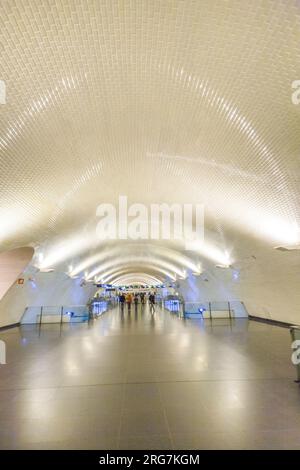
{"x":159,"y":100}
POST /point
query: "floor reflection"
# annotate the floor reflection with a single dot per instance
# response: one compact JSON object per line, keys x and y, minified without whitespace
{"x":154,"y":379}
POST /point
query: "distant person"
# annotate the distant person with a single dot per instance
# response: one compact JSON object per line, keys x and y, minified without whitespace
{"x":136,"y":299}
{"x":142,"y":295}
{"x":122,"y":301}
{"x":152,"y":302}
{"x":129,"y":300}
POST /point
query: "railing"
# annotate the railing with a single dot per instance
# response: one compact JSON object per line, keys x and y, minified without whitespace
{"x":226,"y":309}
{"x":67,"y":313}
{"x":55,"y":314}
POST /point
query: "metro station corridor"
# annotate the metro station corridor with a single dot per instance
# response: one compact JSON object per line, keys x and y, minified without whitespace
{"x":137,"y":380}
{"x":149,"y":152}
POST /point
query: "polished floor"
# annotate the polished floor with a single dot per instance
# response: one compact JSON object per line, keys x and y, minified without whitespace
{"x":136,"y":381}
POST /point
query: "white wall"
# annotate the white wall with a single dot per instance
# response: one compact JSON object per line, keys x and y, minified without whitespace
{"x":269,"y":286}
{"x":12,"y":264}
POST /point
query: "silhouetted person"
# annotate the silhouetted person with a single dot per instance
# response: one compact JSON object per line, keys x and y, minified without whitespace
{"x":122,"y":301}
{"x":129,"y":300}
{"x":152,"y":303}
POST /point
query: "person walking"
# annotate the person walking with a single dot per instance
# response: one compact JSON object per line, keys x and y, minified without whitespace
{"x":152,"y":303}
{"x":122,"y":301}
{"x":129,"y":300}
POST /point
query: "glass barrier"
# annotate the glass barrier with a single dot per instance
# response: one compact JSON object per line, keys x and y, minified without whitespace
{"x":173,"y":305}
{"x":55,"y":314}
{"x":218,"y":309}
{"x":98,"y":306}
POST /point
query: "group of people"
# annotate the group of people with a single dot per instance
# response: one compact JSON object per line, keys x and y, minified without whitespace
{"x":137,"y":298}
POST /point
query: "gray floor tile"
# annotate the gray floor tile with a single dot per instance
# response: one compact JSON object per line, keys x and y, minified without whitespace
{"x":151,"y":383}
{"x":152,"y":442}
{"x":143,"y":423}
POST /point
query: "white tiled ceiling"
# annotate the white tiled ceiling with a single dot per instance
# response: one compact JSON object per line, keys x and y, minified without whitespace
{"x":175,"y":101}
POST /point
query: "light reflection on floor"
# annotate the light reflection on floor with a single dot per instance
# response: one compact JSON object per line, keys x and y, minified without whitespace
{"x":136,"y":380}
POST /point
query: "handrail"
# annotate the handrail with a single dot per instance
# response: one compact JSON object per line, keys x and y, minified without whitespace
{"x":41,"y":315}
{"x":55,"y":306}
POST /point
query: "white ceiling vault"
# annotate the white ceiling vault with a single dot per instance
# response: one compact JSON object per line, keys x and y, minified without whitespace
{"x":159,"y":100}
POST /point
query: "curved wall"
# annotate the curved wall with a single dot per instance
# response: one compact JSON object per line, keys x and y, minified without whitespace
{"x":12,"y":264}
{"x":268,"y":286}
